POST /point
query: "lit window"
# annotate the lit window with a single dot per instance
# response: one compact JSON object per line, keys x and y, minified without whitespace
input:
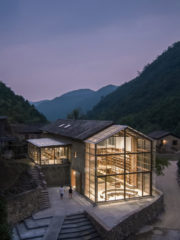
{"x":75,"y":154}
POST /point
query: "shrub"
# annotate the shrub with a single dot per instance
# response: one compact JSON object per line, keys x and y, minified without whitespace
{"x":5,"y":232}
{"x":178,"y":165}
{"x":161,"y":164}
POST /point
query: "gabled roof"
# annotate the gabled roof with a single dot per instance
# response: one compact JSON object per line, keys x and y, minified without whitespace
{"x":160,"y":134}
{"x":27,"y":128}
{"x":108,"y":132}
{"x":76,"y":129}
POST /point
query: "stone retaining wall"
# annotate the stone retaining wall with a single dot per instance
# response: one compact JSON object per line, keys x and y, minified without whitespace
{"x":132,"y":223}
{"x":56,"y":175}
{"x":23,"y":205}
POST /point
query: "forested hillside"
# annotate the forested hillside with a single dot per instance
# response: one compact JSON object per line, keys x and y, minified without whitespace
{"x":17,"y":108}
{"x":149,"y":102}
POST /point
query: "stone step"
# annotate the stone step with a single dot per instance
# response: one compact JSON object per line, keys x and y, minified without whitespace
{"x":54,"y":228}
{"x":15,"y":235}
{"x":44,"y":191}
{"x":43,"y":198}
{"x":72,"y":221}
{"x":38,"y":223}
{"x":25,"y":233}
{"x":91,"y":237}
{"x":84,"y":223}
{"x":39,"y":218}
{"x":78,"y":229}
{"x":37,"y":238}
{"x":75,"y":214}
{"x":80,"y":216}
{"x":44,"y":205}
{"x":44,"y":202}
{"x":77,"y":234}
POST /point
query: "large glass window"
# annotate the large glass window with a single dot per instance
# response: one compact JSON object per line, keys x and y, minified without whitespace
{"x":119,"y":167}
{"x":49,"y":155}
{"x":90,"y":172}
{"x":34,"y":153}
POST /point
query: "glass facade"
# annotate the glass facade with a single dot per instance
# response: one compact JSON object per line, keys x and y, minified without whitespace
{"x":49,"y":155}
{"x":119,"y":167}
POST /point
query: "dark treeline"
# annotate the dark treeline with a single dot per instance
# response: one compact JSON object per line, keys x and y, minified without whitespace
{"x":17,"y":108}
{"x":149,"y":102}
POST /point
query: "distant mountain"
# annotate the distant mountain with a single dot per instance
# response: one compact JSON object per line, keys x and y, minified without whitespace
{"x":149,"y":102}
{"x":17,"y":108}
{"x":38,"y":103}
{"x":83,"y":99}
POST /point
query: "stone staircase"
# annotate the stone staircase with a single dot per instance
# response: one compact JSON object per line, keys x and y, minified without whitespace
{"x":38,"y":177}
{"x":31,"y":228}
{"x":72,"y":227}
{"x":78,"y":227}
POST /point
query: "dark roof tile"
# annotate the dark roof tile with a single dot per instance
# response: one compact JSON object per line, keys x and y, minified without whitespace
{"x":76,"y":129}
{"x":160,"y":134}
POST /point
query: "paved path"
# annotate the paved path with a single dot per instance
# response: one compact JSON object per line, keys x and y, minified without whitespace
{"x":108,"y":214}
{"x":168,"y":225}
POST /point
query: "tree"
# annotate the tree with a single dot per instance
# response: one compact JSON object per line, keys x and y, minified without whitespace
{"x":75,"y":114}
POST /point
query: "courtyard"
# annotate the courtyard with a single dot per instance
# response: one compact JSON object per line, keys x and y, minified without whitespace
{"x":109,"y":215}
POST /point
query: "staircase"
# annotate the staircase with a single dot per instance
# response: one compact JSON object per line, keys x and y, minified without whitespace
{"x":78,"y":227}
{"x":44,"y":199}
{"x":38,"y":177}
{"x":72,"y":227}
{"x":31,"y":228}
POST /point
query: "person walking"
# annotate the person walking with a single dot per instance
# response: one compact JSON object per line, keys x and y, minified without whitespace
{"x":70,"y":192}
{"x":61,"y":190}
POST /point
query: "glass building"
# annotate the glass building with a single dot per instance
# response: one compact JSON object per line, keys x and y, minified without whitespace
{"x":47,"y":151}
{"x":118,"y":165}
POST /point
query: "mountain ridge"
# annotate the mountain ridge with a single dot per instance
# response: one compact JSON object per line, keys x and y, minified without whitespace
{"x":151,"y":100}
{"x":83,"y":99}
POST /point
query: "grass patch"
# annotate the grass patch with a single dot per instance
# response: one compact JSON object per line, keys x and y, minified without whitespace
{"x":162,"y":162}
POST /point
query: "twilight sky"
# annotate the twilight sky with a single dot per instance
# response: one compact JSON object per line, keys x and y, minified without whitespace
{"x":49,"y":47}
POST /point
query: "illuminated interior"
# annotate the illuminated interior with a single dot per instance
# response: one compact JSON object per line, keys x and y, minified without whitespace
{"x":118,"y":166}
{"x":48,"y":155}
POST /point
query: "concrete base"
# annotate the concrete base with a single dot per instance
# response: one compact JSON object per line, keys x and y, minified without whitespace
{"x":113,"y":219}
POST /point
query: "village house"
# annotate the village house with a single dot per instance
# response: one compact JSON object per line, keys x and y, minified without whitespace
{"x":101,"y":160}
{"x":166,"y":142}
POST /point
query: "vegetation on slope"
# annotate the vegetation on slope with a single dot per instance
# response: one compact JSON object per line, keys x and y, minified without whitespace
{"x":5,"y":232}
{"x":17,"y":108}
{"x":149,"y":102}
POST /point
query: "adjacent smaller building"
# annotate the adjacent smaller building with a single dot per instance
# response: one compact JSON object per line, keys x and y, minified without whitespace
{"x":166,"y":142}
